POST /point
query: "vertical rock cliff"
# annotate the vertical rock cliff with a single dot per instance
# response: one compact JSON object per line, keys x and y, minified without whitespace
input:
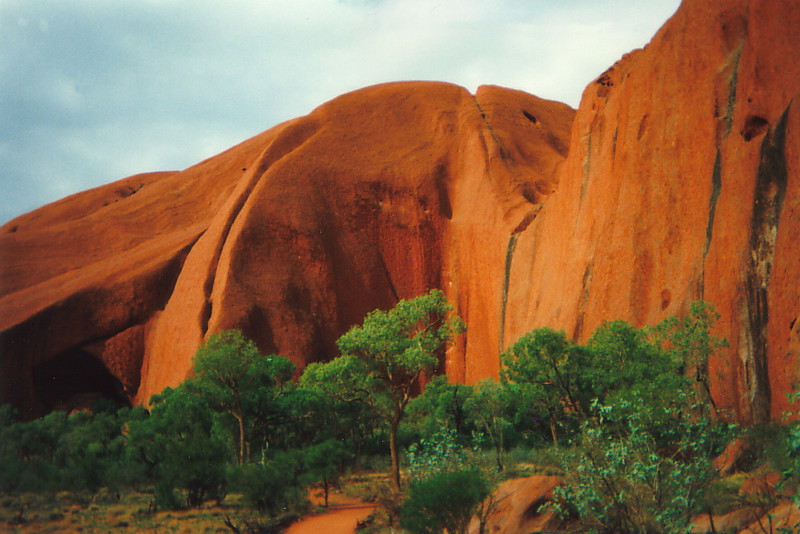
{"x":677,"y":180}
{"x":682,"y":184}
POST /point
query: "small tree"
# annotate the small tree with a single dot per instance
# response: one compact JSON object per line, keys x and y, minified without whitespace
{"x":383,"y":360}
{"x":624,"y":478}
{"x":488,"y":406}
{"x":441,"y":406}
{"x":543,"y":367}
{"x":235,"y":379}
{"x":691,"y":344}
{"x":324,"y":463}
{"x":177,"y":442}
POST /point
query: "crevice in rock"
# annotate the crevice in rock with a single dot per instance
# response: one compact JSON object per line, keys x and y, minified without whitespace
{"x":528,"y":219}
{"x":732,"y":81}
{"x":586,"y":282}
{"x":512,"y":244}
{"x":445,"y":207}
{"x":716,"y":188}
{"x":529,"y":117}
{"x":770,"y":190}
{"x":501,"y":149}
{"x":642,"y":126}
{"x":587,"y":161}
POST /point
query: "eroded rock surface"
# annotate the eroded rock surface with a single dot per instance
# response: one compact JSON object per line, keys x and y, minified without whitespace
{"x":683,"y":183}
{"x":677,"y":180}
{"x":292,"y":237}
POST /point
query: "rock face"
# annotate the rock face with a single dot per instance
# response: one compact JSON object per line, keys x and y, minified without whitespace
{"x":292,"y":237}
{"x":683,"y":182}
{"x":678,"y":179}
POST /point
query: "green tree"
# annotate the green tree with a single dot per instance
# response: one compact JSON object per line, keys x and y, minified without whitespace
{"x":488,"y":405}
{"x":324,"y":463}
{"x":236,"y":380}
{"x":272,"y":486}
{"x":623,"y":477}
{"x":690,"y":342}
{"x":449,"y":485}
{"x":383,"y":360}
{"x":543,"y":367}
{"x":178,"y":444}
{"x":442,"y":405}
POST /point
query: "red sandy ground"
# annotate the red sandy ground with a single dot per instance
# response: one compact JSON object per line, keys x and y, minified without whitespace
{"x":342,"y":517}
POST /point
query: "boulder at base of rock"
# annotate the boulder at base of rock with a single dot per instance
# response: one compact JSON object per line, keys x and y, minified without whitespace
{"x":516,"y":507}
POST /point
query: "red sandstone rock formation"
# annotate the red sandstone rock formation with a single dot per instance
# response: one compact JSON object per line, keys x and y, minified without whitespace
{"x":519,"y":507}
{"x":681,"y":182}
{"x":292,"y":236}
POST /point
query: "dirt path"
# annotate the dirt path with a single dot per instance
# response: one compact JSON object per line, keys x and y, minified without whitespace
{"x":341,"y":518}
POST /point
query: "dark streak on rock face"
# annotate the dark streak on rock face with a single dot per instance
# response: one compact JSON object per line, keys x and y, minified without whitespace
{"x":770,"y":190}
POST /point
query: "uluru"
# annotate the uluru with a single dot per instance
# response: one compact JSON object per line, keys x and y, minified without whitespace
{"x":677,"y":179}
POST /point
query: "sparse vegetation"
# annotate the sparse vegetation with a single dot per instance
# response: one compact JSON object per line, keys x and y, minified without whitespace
{"x":626,"y":420}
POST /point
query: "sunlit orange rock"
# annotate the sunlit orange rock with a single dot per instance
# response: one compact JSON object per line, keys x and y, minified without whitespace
{"x":292,"y":237}
{"x":677,"y":180}
{"x":519,"y":506}
{"x":683,"y":183}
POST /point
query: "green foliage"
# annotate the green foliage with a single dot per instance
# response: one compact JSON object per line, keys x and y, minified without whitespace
{"x":442,"y":451}
{"x":792,"y":470}
{"x":488,"y":406}
{"x":543,"y":369}
{"x":444,"y":502}
{"x":177,"y":442}
{"x":235,"y":380}
{"x":620,"y":478}
{"x":618,"y":366}
{"x":642,"y":460}
{"x":272,"y":487}
{"x":383,"y":360}
{"x":83,"y":451}
{"x":324,"y":463}
{"x":442,"y":405}
{"x":690,"y":343}
{"x":437,"y":462}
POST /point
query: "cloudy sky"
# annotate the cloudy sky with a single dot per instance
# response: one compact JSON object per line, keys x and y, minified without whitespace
{"x":95,"y":90}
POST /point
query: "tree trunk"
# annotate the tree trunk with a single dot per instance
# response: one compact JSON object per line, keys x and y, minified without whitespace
{"x":395,"y":454}
{"x":240,"y":419}
{"x":554,"y":432}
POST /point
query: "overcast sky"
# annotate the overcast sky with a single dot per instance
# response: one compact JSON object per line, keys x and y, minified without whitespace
{"x":92,"y":91}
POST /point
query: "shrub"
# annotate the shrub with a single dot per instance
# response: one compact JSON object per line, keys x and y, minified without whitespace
{"x":621,"y":478}
{"x":445,"y":501}
{"x":272,"y":487}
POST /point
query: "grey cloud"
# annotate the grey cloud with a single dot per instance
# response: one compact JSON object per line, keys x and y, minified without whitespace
{"x":92,"y":91}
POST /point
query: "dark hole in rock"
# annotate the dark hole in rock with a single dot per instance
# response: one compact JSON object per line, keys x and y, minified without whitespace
{"x":666,"y":298}
{"x":529,"y":116}
{"x":75,"y":379}
{"x":754,"y":126}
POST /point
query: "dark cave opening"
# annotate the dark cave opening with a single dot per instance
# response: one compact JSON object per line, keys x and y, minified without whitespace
{"x":75,"y":379}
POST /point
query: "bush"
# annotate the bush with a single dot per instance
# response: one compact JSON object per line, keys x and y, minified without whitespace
{"x":272,"y":487}
{"x":621,"y":478}
{"x":445,"y":501}
{"x":178,"y":444}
